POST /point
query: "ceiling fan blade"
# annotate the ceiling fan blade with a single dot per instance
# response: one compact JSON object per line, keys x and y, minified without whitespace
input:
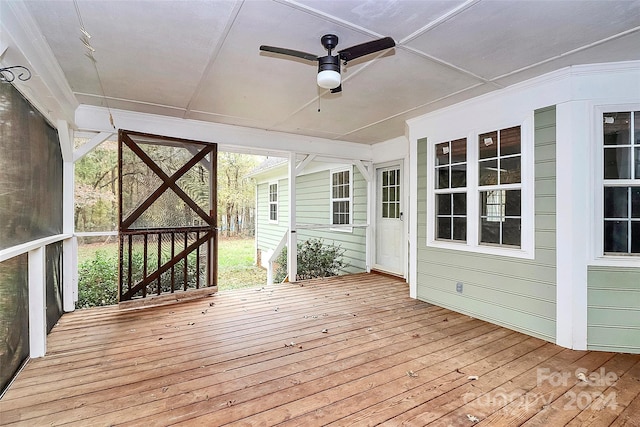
{"x":337,"y":89}
{"x":363,"y":49}
{"x":290,"y":52}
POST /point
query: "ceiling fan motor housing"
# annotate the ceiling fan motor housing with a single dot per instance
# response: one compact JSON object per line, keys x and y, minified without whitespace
{"x":329,"y":72}
{"x":331,"y":63}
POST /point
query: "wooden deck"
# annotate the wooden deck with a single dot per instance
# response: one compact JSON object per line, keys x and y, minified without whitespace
{"x":354,"y":350}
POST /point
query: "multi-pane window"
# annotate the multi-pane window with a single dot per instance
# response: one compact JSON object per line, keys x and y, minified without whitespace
{"x":340,"y":197}
{"x":451,"y":190}
{"x":391,"y":193}
{"x":621,"y":136}
{"x":500,"y":185}
{"x":273,"y":202}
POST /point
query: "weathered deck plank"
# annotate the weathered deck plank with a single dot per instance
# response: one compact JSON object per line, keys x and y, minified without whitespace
{"x":353,"y":350}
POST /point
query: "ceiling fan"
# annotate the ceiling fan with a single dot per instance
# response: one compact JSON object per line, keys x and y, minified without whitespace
{"x":329,"y":65}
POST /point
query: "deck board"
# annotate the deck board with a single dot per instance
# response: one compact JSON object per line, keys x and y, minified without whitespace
{"x":353,"y":350}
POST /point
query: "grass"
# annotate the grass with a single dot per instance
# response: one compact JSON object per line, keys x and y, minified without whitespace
{"x":236,"y":265}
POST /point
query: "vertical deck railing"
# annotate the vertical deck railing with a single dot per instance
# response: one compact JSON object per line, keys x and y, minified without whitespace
{"x":149,"y":262}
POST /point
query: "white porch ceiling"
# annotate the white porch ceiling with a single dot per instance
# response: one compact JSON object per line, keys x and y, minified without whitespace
{"x":200,"y":59}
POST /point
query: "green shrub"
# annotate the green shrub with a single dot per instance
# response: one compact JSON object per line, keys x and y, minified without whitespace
{"x":98,"y":281}
{"x":315,"y":259}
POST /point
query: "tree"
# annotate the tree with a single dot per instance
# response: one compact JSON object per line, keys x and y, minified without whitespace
{"x":95,"y":189}
{"x":236,"y":192}
{"x":97,"y":183}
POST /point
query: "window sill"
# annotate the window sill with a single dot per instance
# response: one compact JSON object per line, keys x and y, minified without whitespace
{"x":616,"y":261}
{"x":510,"y":252}
{"x":342,"y":229}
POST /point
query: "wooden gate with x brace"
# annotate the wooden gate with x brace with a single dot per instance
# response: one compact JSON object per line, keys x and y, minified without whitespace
{"x":168,"y":242}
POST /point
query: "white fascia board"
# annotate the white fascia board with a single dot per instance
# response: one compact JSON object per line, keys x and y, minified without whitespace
{"x":603,"y":82}
{"x":493,"y":109}
{"x":577,"y":82}
{"x":392,"y":149}
{"x":258,"y":140}
{"x":48,"y":89}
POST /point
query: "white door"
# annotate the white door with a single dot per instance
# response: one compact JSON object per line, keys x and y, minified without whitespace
{"x":390,"y":250}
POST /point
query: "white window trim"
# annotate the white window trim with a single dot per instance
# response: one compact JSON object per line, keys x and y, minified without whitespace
{"x":331,"y":172}
{"x":598,"y":258}
{"x":277,"y":202}
{"x":527,"y":243}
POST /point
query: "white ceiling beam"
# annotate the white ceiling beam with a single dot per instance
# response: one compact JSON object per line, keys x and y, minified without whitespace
{"x":257,"y":140}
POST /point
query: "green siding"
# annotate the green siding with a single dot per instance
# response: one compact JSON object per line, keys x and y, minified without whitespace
{"x":268,"y":234}
{"x":613,"y":309}
{"x":312,"y":207}
{"x":516,"y":293}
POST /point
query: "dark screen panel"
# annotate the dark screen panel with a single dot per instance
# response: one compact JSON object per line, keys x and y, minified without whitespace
{"x":53,"y":255}
{"x":14,"y":316}
{"x":30,"y":172}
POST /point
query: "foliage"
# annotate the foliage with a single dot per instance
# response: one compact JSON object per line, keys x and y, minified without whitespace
{"x":98,"y":271}
{"x":315,"y":259}
{"x":97,"y":280}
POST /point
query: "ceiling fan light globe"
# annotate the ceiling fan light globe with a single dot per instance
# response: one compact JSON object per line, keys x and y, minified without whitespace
{"x":328,"y":79}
